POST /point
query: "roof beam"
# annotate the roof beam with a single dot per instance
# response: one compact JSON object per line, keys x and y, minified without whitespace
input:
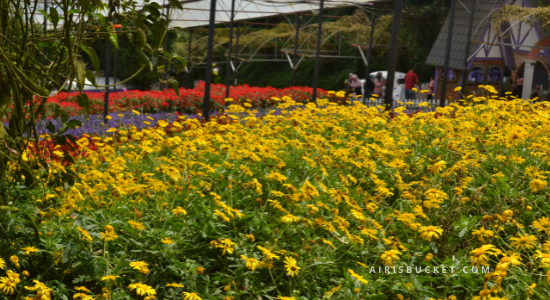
{"x":507,"y":44}
{"x":249,"y":23}
{"x":324,"y":16}
{"x":364,"y":46}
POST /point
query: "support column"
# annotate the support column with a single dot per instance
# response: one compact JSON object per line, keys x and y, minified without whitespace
{"x":107,"y":77}
{"x":165,"y":61}
{"x":366,"y":97}
{"x":436,"y":78}
{"x":464,"y":77}
{"x":237,"y":53}
{"x":528,"y":72}
{"x":188,"y":75}
{"x":228,"y":75}
{"x":318,"y":52}
{"x":295,"y":48}
{"x":392,"y":61}
{"x":210,"y":50}
{"x":115,"y":65}
{"x":450,"y":26}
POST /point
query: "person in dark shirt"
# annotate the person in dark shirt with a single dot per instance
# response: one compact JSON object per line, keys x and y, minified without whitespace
{"x":347,"y":82}
{"x":518,"y":89}
{"x":369,"y":88}
{"x":411,"y":79}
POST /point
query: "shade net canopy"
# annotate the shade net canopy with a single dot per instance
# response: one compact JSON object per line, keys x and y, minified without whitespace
{"x":196,"y":13}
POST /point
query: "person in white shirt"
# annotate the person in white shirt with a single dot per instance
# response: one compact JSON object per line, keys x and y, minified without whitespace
{"x":355,"y":86}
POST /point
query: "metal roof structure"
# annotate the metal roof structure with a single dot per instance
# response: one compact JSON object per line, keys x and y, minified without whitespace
{"x":252,"y":9}
{"x":283,"y":47}
{"x":196,"y":13}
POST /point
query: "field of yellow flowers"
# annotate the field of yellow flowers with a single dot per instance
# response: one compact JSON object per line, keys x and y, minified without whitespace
{"x":316,"y":202}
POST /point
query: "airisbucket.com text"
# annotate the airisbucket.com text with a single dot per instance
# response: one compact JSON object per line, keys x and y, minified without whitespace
{"x":429,"y":270}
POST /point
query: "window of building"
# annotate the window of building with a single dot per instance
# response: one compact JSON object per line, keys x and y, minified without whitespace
{"x":475,"y":75}
{"x":452,"y":75}
{"x":494,"y":74}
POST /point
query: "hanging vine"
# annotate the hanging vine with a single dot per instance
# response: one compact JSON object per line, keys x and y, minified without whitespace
{"x":527,"y":15}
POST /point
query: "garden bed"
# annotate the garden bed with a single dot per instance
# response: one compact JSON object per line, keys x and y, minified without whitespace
{"x":190,"y":101}
{"x":309,"y":204}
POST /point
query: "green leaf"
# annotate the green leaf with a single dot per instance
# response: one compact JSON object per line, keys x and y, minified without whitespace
{"x":141,"y":38}
{"x":176,"y":4}
{"x":175,"y":85}
{"x":50,"y":127}
{"x":101,"y":19}
{"x":80,"y":278}
{"x":113,"y":39}
{"x":153,"y":8}
{"x":93,"y":57}
{"x":72,"y":138}
{"x":90,"y":76}
{"x":66,"y":253}
{"x":81,"y":74}
{"x":99,"y":3}
{"x":62,"y":129}
{"x":68,"y":157}
{"x":74,"y":123}
{"x":84,"y":5}
{"x":54,"y":17}
{"x":64,"y":116}
{"x":144,"y":60}
{"x":84,"y":102}
{"x":179,"y":62}
{"x":149,"y":49}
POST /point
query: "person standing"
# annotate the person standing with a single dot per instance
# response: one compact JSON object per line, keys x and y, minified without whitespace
{"x":347,"y":82}
{"x":508,"y":87}
{"x":369,"y":89}
{"x":355,"y":86}
{"x":411,"y":79}
{"x":518,"y":90}
{"x":379,"y":83}
{"x":431,"y":87}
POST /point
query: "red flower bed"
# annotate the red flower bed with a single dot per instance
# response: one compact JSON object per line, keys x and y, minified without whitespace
{"x":190,"y":100}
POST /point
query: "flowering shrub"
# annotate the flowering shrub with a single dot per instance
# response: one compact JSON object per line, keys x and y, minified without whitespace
{"x":308,"y":204}
{"x":190,"y":100}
